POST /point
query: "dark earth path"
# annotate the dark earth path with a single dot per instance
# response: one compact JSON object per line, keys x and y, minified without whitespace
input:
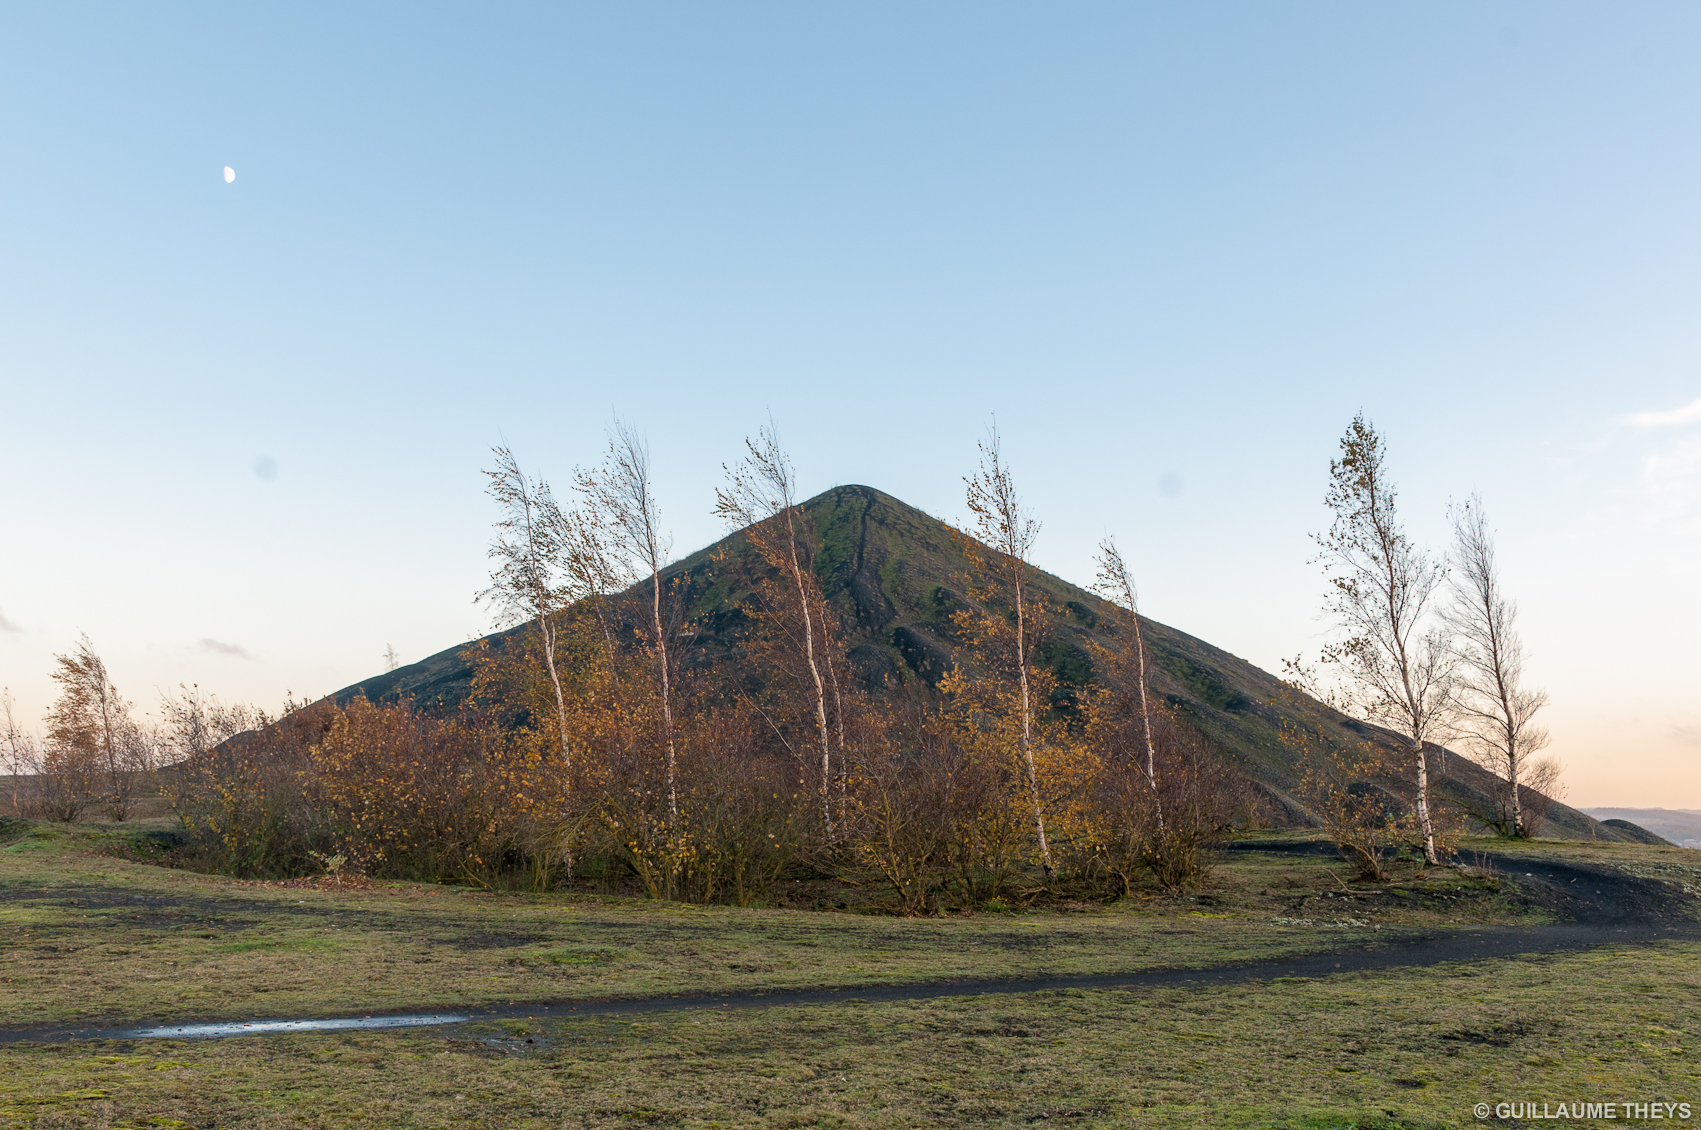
{"x":1608,"y":908}
{"x":1577,"y":892}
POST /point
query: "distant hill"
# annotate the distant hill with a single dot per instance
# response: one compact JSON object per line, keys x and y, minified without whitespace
{"x":1680,"y":826}
{"x":894,"y":574}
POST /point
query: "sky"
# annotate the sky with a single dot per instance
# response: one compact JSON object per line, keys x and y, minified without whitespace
{"x":1172,"y":250}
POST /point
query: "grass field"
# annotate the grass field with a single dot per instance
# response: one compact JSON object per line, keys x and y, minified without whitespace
{"x":85,"y":936}
{"x":1392,"y":1049}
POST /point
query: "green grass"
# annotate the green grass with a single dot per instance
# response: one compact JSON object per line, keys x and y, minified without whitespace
{"x":86,"y":936}
{"x":1395,"y":1049}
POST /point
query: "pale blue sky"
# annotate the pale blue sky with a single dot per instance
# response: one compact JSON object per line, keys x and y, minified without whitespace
{"x":1176,"y":244}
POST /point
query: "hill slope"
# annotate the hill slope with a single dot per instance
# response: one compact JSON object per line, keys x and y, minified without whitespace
{"x":895,"y":575}
{"x":1679,"y":826}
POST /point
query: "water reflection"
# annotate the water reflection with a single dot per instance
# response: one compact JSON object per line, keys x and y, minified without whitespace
{"x":268,"y":1027}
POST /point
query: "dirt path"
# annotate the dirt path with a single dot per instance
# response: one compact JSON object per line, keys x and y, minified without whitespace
{"x":1460,"y":946}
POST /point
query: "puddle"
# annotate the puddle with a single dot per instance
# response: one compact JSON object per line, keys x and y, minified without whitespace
{"x":268,"y":1027}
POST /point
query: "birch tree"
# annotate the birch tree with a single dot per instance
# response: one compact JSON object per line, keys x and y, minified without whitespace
{"x":91,"y":735}
{"x":760,"y":497}
{"x":527,"y":585}
{"x":622,"y":494}
{"x":1496,"y":709}
{"x":1116,"y":584}
{"x":1004,"y":526}
{"x":1394,"y":651}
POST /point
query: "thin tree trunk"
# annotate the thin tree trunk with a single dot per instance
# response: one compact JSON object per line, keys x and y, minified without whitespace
{"x":1423,"y":804}
{"x":839,"y":720}
{"x":667,"y":697}
{"x":815,"y":672}
{"x":1413,"y":707}
{"x":115,"y":791}
{"x":613,"y":672}
{"x":1424,"y":822}
{"x":1517,"y":803}
{"x":1483,"y":617}
{"x":560,"y":698}
{"x":1146,"y":722}
{"x":1511,"y":724}
{"x":1027,"y":721}
{"x":561,"y":722}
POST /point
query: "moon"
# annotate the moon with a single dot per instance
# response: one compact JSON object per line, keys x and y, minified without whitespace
{"x":229,"y":174}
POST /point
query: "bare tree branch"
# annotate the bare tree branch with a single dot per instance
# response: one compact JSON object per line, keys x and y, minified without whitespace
{"x":1003,"y":524}
{"x":622,"y":494}
{"x":1497,"y":712}
{"x":1116,"y":584}
{"x":762,"y":492}
{"x":1394,"y":654}
{"x":531,"y":544}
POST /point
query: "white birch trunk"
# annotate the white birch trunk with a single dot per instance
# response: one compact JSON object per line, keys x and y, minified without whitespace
{"x":815,"y":673}
{"x":1146,"y":722}
{"x":1027,"y":720}
{"x":667,"y":697}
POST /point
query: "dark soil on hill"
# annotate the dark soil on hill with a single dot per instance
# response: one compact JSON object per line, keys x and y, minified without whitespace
{"x":1636,"y":832}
